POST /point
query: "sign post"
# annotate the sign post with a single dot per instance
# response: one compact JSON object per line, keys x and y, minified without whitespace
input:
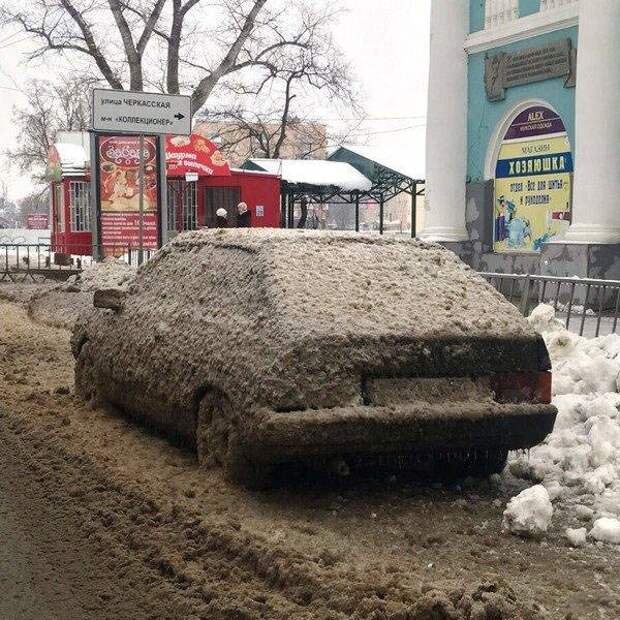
{"x":141,"y":200}
{"x":128,"y":113}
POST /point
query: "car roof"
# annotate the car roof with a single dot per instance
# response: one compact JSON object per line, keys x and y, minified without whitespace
{"x":327,"y":284}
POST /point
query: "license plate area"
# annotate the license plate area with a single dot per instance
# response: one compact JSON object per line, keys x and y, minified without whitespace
{"x":386,"y":391}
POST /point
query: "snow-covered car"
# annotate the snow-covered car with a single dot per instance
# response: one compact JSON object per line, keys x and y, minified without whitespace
{"x":269,"y":347}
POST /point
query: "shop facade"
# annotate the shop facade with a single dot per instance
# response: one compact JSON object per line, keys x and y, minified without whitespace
{"x":522,"y":157}
{"x":198,"y":183}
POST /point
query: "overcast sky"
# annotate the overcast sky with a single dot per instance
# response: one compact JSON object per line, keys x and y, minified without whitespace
{"x":386,"y":42}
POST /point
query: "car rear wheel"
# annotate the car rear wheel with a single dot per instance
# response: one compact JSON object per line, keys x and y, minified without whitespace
{"x":217,"y":442}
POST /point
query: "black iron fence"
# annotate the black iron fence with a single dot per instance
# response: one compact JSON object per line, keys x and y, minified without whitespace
{"x":586,"y":306}
{"x":22,"y":261}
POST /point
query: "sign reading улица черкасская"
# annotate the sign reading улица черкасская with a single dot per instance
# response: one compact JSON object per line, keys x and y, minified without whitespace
{"x":141,"y":113}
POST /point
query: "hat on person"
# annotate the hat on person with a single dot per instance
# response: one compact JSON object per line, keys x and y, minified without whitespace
{"x":221,"y":212}
{"x":242,"y":207}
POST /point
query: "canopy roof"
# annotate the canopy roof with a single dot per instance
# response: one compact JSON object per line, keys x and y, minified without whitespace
{"x":390,"y":176}
{"x":404,"y":164}
{"x":313,"y":174}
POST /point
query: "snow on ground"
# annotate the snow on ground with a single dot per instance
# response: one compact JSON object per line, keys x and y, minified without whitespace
{"x":529,"y":513}
{"x":579,"y":463}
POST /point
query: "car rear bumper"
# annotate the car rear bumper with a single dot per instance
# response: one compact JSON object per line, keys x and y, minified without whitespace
{"x":360,"y":430}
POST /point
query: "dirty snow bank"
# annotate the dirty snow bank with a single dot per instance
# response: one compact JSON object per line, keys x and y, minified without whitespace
{"x":579,"y":463}
{"x":60,"y":306}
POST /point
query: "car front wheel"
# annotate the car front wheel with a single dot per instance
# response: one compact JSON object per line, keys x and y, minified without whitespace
{"x":217,"y":442}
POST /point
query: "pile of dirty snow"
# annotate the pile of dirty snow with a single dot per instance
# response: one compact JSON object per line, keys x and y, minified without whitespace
{"x":579,"y":462}
{"x":60,"y":306}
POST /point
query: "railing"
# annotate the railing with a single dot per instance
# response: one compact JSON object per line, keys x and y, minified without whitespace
{"x":588,"y":307}
{"x":500,"y":12}
{"x":20,"y":261}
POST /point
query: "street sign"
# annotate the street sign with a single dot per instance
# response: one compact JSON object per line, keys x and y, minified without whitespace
{"x":141,"y":113}
{"x":191,"y":177}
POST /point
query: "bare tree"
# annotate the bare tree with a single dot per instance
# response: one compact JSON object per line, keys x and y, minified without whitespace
{"x":193,"y":45}
{"x":51,"y":108}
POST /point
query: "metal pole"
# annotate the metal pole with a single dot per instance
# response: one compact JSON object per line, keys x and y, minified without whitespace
{"x":163,"y":192}
{"x":291,"y":212}
{"x":141,"y":190}
{"x":381,"y":204}
{"x":357,"y":211}
{"x":95,"y":228}
{"x":414,"y":210}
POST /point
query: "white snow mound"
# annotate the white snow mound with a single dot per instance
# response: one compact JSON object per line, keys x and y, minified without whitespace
{"x":606,"y":530}
{"x":577,"y":537}
{"x":579,"y":462}
{"x":529,"y":513}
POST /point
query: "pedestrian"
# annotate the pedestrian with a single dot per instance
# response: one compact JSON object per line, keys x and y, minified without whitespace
{"x":221,"y":218}
{"x":244,"y":217}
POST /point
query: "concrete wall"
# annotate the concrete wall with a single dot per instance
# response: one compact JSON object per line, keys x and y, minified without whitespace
{"x":476,"y":15}
{"x":527,"y":7}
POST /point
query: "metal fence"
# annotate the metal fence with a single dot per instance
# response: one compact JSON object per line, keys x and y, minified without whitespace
{"x":586,"y":306}
{"x":22,"y":261}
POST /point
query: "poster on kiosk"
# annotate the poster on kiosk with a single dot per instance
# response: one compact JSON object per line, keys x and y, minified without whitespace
{"x":119,"y":193}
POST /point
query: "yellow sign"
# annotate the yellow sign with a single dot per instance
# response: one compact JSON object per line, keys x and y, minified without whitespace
{"x":532,"y":185}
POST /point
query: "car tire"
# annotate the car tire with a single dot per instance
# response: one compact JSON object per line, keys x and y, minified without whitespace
{"x":85,"y":383}
{"x":217,"y":443}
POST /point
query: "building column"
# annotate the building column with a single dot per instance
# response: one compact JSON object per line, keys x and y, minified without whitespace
{"x":446,"y":131}
{"x":596,"y":214}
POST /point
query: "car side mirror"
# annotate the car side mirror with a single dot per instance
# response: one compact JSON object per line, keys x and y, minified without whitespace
{"x":110,"y":299}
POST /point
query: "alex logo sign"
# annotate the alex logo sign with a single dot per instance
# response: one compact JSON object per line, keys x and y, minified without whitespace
{"x":532,"y":182}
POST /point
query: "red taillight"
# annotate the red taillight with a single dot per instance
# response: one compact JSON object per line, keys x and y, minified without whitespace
{"x":533,"y":387}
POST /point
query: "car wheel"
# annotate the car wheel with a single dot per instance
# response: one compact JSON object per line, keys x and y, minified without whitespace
{"x":217,"y":443}
{"x":85,"y":384}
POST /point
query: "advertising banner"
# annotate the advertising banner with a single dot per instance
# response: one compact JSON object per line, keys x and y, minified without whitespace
{"x":37,"y":221}
{"x":194,"y":154}
{"x":119,"y":193}
{"x":532,"y":182}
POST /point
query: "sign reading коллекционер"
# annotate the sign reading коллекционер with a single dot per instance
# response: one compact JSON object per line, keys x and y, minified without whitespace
{"x":141,"y":113}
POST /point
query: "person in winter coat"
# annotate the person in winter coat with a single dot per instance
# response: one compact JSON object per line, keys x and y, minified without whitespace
{"x":221,"y":218}
{"x":244,"y":217}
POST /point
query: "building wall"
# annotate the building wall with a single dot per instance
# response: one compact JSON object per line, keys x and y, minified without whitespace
{"x":303,"y":141}
{"x":485,"y":120}
{"x":527,"y":7}
{"x":476,"y":15}
{"x":484,"y":116}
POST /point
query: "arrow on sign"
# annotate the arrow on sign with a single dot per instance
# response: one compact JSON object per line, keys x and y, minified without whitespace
{"x":179,"y":116}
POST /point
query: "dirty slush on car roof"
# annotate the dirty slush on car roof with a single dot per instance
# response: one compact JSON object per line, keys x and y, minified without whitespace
{"x":265,"y":346}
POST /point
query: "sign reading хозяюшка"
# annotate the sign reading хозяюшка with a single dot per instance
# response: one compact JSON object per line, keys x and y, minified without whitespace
{"x":141,"y":113}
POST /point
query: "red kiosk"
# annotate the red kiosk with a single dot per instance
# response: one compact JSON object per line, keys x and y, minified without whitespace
{"x":199,"y":181}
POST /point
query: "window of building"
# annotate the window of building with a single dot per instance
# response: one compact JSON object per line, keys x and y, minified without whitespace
{"x":173,"y":204}
{"x":190,"y":217}
{"x":182,"y":206}
{"x":80,"y":206}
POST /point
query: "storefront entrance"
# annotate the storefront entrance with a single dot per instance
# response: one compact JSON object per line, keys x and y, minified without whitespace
{"x":221,"y":198}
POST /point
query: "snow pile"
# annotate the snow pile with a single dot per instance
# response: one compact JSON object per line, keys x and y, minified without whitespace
{"x":529,"y":513}
{"x":579,"y":463}
{"x":606,"y":530}
{"x":576,"y":537}
{"x":110,"y":273}
{"x":60,"y":306}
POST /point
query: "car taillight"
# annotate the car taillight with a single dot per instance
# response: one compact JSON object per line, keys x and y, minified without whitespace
{"x":518,"y":387}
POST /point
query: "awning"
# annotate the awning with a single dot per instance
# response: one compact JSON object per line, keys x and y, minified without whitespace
{"x":194,"y":153}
